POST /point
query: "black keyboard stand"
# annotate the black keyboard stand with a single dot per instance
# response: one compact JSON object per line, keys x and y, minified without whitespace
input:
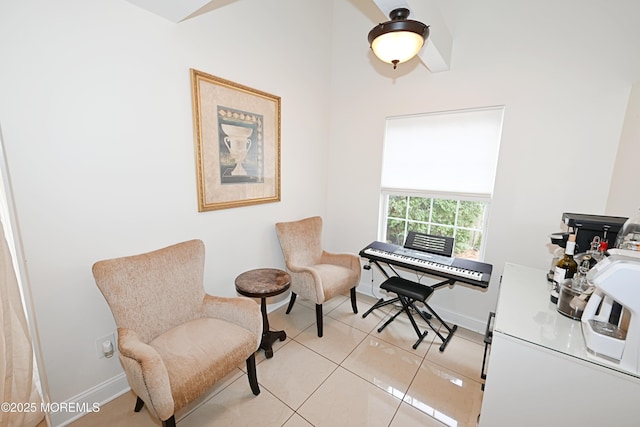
{"x":408,"y":293}
{"x":382,"y":302}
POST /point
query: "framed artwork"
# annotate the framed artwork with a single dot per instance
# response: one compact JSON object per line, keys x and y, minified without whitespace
{"x":237,"y":143}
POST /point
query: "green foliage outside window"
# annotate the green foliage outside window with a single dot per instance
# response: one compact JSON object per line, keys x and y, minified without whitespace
{"x":419,"y":208}
{"x":397,"y":206}
{"x":396,"y":231}
{"x":460,"y":219}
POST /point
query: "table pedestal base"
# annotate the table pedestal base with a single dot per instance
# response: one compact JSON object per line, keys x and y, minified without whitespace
{"x":268,"y":338}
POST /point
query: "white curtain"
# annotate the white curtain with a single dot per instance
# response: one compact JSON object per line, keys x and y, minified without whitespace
{"x":20,"y":396}
{"x":19,"y":392}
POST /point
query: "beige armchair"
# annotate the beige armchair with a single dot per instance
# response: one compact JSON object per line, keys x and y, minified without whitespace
{"x":316,"y":275}
{"x":174,"y":340}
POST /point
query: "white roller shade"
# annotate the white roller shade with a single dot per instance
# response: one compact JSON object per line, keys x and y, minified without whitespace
{"x":452,"y":152}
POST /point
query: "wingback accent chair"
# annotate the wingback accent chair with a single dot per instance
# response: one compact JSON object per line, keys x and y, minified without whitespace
{"x":174,"y":340}
{"x":316,"y":274}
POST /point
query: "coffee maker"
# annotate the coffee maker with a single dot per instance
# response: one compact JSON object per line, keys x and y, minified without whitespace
{"x":587,"y":228}
{"x":610,"y":334}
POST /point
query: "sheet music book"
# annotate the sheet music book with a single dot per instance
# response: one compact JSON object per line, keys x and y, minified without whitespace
{"x":440,"y":245}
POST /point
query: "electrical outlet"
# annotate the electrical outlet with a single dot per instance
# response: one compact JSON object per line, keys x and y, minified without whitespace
{"x":106,"y":346}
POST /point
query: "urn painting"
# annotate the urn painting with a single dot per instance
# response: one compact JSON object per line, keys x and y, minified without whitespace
{"x":237,"y":143}
{"x":241,"y":146}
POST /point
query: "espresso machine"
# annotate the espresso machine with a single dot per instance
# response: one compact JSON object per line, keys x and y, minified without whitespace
{"x":587,"y":227}
{"x":589,"y":230}
{"x":609,"y":333}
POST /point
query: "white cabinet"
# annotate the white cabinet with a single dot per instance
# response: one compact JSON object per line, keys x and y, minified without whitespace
{"x":540,"y":373}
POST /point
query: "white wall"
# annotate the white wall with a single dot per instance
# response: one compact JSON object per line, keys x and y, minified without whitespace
{"x":97,"y":123}
{"x":624,"y":193}
{"x":563,"y":71}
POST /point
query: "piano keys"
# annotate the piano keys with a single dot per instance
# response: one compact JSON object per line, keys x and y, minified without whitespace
{"x":463,"y":270}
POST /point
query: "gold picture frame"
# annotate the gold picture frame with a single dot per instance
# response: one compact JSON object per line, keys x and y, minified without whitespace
{"x":237,"y":143}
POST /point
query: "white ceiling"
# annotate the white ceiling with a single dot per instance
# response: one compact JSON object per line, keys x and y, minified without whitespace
{"x":179,"y":10}
{"x":435,"y":54}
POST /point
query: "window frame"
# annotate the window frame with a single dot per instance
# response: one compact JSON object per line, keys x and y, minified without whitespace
{"x":385,"y":192}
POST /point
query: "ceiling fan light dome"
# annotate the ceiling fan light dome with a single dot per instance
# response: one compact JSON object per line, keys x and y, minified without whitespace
{"x":398,"y":46}
{"x":398,"y":40}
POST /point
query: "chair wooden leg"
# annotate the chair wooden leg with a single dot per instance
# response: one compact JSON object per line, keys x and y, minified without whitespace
{"x":354,"y":304}
{"x":139,"y":405}
{"x":291,"y":301}
{"x":319,"y":318}
{"x":251,"y":373}
{"x":171,"y":422}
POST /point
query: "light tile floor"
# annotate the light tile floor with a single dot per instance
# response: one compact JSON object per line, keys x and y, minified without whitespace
{"x":353,"y":376}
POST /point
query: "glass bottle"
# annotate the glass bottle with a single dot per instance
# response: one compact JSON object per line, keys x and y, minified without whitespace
{"x":596,"y":252}
{"x":629,"y":235}
{"x":565,"y":268}
{"x":580,"y":282}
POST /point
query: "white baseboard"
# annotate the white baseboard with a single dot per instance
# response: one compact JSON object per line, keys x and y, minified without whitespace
{"x":463,"y":321}
{"x":94,"y":397}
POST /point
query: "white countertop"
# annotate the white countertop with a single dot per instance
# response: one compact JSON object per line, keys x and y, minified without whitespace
{"x":525,"y":312}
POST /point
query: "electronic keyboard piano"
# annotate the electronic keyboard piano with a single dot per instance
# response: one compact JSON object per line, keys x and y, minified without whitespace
{"x":456,"y":269}
{"x":434,"y":262}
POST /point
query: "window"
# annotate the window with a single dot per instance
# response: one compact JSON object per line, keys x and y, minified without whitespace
{"x":461,"y":219}
{"x":438,"y":174}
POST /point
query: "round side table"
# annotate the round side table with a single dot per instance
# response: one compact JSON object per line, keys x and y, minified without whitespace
{"x":262,"y":283}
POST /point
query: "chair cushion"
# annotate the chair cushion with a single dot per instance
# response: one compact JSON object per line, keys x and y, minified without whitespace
{"x":199,"y":353}
{"x":407,"y":288}
{"x":336,"y":279}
